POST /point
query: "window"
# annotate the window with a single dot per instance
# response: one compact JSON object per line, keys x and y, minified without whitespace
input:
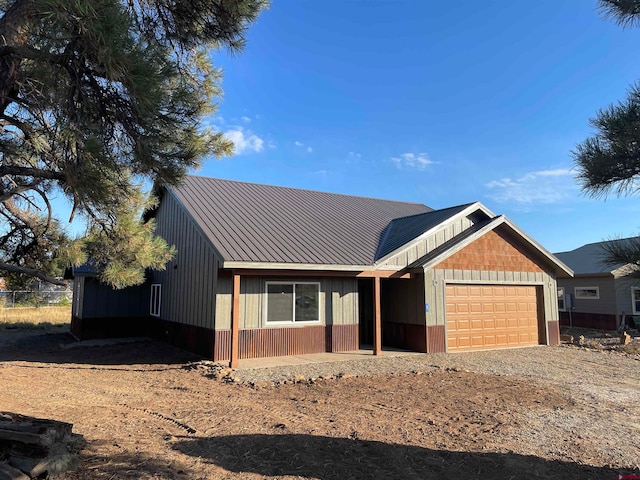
{"x":154,"y":304}
{"x":561,"y":305}
{"x":587,"y":293}
{"x":77,"y":285}
{"x":289,"y":302}
{"x":635,"y":300}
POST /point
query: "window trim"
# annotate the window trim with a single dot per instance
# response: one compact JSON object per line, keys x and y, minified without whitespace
{"x":155,"y":299}
{"x":633,"y":300}
{"x":293,"y":322}
{"x":581,"y":297}
{"x":562,"y":299}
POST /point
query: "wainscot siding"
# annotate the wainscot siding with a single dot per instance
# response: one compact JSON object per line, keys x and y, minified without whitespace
{"x":190,"y":279}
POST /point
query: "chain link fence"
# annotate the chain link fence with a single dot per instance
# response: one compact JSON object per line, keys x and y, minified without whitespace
{"x":35,"y":298}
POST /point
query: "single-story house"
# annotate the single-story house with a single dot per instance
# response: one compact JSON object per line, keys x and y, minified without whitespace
{"x":599,"y":295}
{"x":268,"y":271}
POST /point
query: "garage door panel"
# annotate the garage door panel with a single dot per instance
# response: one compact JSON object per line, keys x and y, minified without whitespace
{"x":489,"y":316}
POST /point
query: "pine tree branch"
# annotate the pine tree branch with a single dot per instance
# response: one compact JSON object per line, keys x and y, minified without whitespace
{"x":31,"y":172}
{"x":30,"y":272}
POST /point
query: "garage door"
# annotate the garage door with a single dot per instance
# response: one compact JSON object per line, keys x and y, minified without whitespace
{"x":491,"y":316}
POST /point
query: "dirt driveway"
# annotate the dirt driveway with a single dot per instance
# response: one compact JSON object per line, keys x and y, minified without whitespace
{"x":145,"y":412}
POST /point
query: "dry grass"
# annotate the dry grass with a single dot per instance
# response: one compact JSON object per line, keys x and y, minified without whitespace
{"x":35,"y":318}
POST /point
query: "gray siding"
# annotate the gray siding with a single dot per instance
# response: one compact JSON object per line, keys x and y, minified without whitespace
{"x":436,"y":280}
{"x":420,"y":248}
{"x":606,"y":304}
{"x":339,"y":296}
{"x":101,"y":301}
{"x":623,"y":294}
{"x":190,"y":280}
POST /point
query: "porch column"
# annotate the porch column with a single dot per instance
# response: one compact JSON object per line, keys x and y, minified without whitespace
{"x":235,"y":321}
{"x":377,"y":324}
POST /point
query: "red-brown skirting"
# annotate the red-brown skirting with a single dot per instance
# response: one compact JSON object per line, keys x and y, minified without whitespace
{"x":436,"y":339}
{"x":589,"y":320}
{"x":554,"y":332}
{"x":221,"y":344}
{"x":275,"y":342}
{"x":405,"y":335}
{"x":342,"y":338}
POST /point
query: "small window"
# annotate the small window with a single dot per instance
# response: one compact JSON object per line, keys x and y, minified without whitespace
{"x":635,"y":300}
{"x":561,"y":306}
{"x":587,"y":293}
{"x":288,"y":302}
{"x":77,"y":286}
{"x":154,"y":304}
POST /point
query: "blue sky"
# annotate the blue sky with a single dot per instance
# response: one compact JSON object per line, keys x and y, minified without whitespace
{"x":441,"y":103}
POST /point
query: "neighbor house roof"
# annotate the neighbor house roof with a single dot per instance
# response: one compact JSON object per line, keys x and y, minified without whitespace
{"x":589,"y":258}
{"x":249,"y":222}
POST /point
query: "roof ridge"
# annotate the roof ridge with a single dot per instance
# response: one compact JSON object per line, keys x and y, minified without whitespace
{"x":599,"y":243}
{"x":307,"y":190}
{"x":465,"y":205}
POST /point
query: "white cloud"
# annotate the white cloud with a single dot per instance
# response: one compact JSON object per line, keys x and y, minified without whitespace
{"x":417,"y":161}
{"x":245,"y":119}
{"x":299,"y":144}
{"x":541,"y":187}
{"x":244,"y":141}
{"x":353,"y":155}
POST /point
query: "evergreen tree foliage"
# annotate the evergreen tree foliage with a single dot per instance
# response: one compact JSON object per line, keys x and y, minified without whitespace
{"x":98,"y":97}
{"x":609,"y":161}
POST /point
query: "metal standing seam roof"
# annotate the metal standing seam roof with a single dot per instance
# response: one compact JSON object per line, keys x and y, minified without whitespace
{"x":249,"y":222}
{"x":402,"y":230}
{"x":589,"y":258}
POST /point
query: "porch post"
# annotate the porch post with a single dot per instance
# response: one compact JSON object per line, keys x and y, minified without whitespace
{"x":377,"y":324}
{"x":235,"y":321}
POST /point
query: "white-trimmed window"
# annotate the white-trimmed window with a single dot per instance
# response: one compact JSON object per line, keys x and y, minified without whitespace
{"x":561,"y":303}
{"x":154,"y":303}
{"x":587,"y":293}
{"x":635,"y":300}
{"x":292,"y":302}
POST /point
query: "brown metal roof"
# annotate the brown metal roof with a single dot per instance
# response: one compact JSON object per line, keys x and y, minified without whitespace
{"x":249,"y":222}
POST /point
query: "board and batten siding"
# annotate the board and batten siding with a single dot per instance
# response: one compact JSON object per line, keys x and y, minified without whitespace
{"x":190,"y":279}
{"x":435,"y":282}
{"x":403,"y":300}
{"x":102,"y":301}
{"x":423,"y":246}
{"x":339,"y":296}
{"x":606,"y":304}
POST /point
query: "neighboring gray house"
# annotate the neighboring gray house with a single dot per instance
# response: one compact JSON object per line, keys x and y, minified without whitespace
{"x":266,"y":271}
{"x":600,"y":294}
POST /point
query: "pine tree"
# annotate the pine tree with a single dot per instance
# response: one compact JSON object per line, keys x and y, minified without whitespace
{"x":609,"y":161}
{"x":97,"y":99}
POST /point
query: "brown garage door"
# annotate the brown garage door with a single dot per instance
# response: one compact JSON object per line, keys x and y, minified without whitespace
{"x":491,"y":316}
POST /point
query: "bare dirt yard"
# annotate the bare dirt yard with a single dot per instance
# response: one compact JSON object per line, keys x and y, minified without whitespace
{"x":149,"y":411}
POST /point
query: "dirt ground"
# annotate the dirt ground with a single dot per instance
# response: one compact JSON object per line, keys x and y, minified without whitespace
{"x":146,"y":412}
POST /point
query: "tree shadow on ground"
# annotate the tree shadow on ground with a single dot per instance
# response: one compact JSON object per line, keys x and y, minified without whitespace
{"x":126,"y":465}
{"x":62,"y":348}
{"x":329,"y":458}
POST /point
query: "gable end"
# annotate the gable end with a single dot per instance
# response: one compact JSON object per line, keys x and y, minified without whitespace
{"x":493,"y":251}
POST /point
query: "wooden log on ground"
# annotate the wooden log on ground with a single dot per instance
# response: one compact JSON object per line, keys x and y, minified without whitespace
{"x":9,"y":473}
